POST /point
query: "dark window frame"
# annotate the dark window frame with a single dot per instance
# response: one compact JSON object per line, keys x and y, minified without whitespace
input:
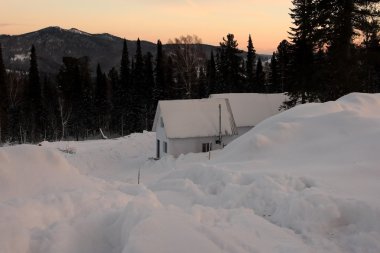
{"x":206,"y":147}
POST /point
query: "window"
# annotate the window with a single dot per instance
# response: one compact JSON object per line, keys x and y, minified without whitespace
{"x":161,"y":122}
{"x":206,"y":147}
{"x":165,"y":147}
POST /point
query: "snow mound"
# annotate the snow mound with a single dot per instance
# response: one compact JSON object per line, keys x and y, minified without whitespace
{"x":28,"y":170}
{"x":47,"y":205}
{"x":309,"y":133}
{"x":116,"y":159}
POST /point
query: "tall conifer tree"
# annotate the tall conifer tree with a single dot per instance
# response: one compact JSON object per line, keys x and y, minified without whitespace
{"x":137,"y":119}
{"x":87,"y":109}
{"x":283,"y":54}
{"x":274,"y":77}
{"x":211,"y":74}
{"x":116,"y":101}
{"x":34,"y":108}
{"x":171,"y":91}
{"x":159,"y":71}
{"x":260,"y":77}
{"x":231,"y":64}
{"x":302,"y":62}
{"x":147,"y":96}
{"x":343,"y":24}
{"x":50,"y":109}
{"x":102,"y":103}
{"x":251,"y":57}
{"x":203,"y":87}
{"x":124,"y":67}
{"x":123,"y":98}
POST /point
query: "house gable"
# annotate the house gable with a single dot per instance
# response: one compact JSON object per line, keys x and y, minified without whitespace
{"x":249,"y":109}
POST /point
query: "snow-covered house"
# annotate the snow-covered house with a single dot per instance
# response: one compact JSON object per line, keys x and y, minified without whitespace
{"x":249,"y":109}
{"x":194,"y":125}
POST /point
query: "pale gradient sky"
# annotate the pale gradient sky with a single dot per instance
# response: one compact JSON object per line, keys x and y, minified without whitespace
{"x":266,"y":20}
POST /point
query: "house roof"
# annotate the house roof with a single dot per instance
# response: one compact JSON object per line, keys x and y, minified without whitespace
{"x":195,"y":118}
{"x":249,"y":109}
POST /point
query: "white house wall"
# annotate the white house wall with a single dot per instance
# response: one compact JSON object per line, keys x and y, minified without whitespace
{"x":190,"y":145}
{"x":177,"y":147}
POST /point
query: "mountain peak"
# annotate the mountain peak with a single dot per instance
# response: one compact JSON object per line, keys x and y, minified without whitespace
{"x":52,"y":28}
{"x":75,"y":30}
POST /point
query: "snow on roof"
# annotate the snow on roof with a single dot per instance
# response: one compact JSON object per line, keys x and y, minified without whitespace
{"x":195,"y":117}
{"x":249,"y":109}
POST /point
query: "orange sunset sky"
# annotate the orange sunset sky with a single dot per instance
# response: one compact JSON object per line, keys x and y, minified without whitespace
{"x":266,"y":20}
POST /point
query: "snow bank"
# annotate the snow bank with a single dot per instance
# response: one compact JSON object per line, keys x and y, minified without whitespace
{"x":306,"y":180}
{"x":49,"y":205}
{"x":26,"y":171}
{"x":116,"y":159}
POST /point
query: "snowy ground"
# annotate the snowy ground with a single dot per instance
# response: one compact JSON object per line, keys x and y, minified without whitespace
{"x":306,"y":180}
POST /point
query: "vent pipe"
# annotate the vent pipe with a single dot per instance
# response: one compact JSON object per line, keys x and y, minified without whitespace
{"x":219,"y":141}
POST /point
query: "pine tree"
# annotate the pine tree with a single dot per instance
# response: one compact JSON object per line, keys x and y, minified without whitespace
{"x":34,"y":108}
{"x":302,"y":61}
{"x":136,"y":118}
{"x":283,"y":54}
{"x":342,"y":22}
{"x":159,"y":71}
{"x":211,"y":74}
{"x":260,"y":77}
{"x":117,"y":125}
{"x":149,"y":105}
{"x":50,"y":109}
{"x":102,"y":103}
{"x":370,"y":55}
{"x":274,"y":77}
{"x":124,"y":67}
{"x":123,"y":100}
{"x":220,"y":85}
{"x":171,"y":91}
{"x":231,"y":65}
{"x":251,"y":57}
{"x":340,"y":51}
{"x":87,"y":109}
{"x":4,"y":100}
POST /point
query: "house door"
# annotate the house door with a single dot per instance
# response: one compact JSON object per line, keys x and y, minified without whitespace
{"x":158,"y":149}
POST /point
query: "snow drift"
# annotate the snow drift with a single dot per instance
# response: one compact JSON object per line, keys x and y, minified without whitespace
{"x":305,"y":180}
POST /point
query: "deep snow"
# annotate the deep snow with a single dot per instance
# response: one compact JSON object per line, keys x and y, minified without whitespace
{"x":305,"y":180}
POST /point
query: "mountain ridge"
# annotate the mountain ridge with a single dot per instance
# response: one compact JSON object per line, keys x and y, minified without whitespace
{"x":53,"y":43}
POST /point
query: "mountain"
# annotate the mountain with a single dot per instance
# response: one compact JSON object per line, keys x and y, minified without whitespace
{"x":53,"y":43}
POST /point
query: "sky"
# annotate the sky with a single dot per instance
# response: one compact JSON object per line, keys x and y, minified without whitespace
{"x":266,"y":20}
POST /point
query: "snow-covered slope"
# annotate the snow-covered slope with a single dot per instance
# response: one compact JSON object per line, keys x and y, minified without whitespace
{"x":306,"y":180}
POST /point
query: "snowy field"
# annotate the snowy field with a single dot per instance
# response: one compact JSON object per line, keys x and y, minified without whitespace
{"x":306,"y":180}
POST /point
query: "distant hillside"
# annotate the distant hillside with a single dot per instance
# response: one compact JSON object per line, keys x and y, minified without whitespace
{"x":53,"y":43}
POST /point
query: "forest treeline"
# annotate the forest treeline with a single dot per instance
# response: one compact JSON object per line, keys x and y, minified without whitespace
{"x":333,"y":49}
